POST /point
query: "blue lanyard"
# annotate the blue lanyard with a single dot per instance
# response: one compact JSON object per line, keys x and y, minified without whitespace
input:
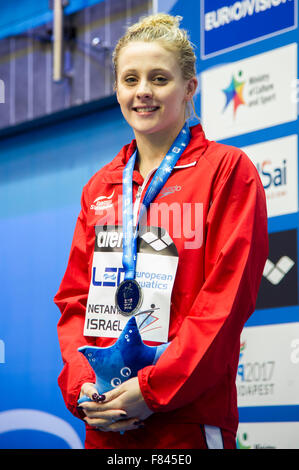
{"x":161,"y":176}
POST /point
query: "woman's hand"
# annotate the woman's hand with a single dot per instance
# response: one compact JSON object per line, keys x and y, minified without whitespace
{"x":123,"y":408}
{"x":129,"y":398}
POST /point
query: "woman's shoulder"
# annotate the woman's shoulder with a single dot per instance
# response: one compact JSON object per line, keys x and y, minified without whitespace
{"x":224,"y":159}
{"x":111,"y":168}
{"x":228,"y":163}
{"x":218,"y":156}
{"x":223,"y":155}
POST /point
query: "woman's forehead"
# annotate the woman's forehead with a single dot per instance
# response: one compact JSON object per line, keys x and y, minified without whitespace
{"x":144,"y":53}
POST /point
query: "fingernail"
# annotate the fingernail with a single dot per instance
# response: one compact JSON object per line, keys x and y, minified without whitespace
{"x":138,"y":423}
{"x":96,"y":397}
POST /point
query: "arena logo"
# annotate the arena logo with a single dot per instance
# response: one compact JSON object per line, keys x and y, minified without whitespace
{"x":181,"y":220}
{"x":275,"y":273}
{"x":157,"y":238}
{"x":156,"y":242}
{"x":109,"y":239}
{"x":279,"y":286}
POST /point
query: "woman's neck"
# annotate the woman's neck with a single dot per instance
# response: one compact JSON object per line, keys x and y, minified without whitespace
{"x":150,"y":155}
{"x":152,"y":149}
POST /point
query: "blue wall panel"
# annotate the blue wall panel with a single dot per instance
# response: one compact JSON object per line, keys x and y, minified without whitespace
{"x":17,"y":16}
{"x":42,"y":176}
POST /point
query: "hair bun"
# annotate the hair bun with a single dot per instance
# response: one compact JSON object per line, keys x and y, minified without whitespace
{"x":160,"y":19}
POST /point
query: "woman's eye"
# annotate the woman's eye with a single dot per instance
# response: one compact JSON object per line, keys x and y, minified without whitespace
{"x":160,"y":80}
{"x":130,"y":80}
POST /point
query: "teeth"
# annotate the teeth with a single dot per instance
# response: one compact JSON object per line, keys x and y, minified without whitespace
{"x":146,"y":110}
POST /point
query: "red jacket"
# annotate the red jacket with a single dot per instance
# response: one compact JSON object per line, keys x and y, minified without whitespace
{"x":214,"y":292}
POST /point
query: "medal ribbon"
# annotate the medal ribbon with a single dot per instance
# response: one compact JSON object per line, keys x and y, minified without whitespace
{"x":161,"y":176}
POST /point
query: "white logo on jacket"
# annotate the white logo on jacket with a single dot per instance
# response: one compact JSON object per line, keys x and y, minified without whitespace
{"x":102,"y":202}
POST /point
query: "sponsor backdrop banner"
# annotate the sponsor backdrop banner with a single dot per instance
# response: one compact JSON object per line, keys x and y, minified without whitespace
{"x":231,"y":24}
{"x":250,"y":94}
{"x":248,"y":97}
{"x":268,"y":365}
{"x":268,"y":435}
{"x":277,"y":163}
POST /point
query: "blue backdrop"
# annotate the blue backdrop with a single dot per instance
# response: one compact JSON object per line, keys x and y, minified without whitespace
{"x":42,"y":174}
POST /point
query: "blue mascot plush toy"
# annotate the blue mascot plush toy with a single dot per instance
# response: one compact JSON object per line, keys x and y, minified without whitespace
{"x":121,"y":361}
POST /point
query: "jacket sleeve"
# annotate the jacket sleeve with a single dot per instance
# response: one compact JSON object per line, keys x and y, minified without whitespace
{"x":236,"y":248}
{"x":71,"y":300}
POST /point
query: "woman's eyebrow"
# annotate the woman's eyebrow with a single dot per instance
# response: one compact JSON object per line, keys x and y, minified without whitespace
{"x":156,"y":70}
{"x":128,"y":71}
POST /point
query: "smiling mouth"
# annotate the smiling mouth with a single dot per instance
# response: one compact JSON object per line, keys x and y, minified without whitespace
{"x":145,"y":109}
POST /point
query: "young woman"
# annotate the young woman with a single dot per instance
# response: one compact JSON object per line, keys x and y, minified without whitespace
{"x":188,"y":398}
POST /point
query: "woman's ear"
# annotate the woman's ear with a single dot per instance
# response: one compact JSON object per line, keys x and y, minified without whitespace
{"x":115,"y":90}
{"x":191,"y":88}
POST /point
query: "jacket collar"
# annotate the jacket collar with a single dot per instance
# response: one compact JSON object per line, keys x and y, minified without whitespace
{"x":196,"y":147}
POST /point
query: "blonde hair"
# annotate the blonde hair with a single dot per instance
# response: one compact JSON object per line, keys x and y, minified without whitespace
{"x":166,"y":30}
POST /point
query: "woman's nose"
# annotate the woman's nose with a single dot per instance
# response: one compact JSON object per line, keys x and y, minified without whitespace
{"x":144,"y":89}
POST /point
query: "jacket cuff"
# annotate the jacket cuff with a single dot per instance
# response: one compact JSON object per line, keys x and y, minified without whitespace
{"x":144,"y":383}
{"x":73,"y":375}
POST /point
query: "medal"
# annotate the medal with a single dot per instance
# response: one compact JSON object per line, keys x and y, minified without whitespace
{"x":128,"y":297}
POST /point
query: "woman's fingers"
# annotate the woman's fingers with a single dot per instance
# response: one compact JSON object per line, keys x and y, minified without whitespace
{"x":127,"y":425}
{"x":91,"y":392}
{"x":95,"y":412}
{"x":114,"y":426}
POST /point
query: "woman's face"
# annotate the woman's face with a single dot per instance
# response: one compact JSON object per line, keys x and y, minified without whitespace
{"x":150,"y":88}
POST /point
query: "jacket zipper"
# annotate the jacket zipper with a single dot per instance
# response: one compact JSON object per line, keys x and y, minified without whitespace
{"x":141,"y":189}
{"x":139,"y":194}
